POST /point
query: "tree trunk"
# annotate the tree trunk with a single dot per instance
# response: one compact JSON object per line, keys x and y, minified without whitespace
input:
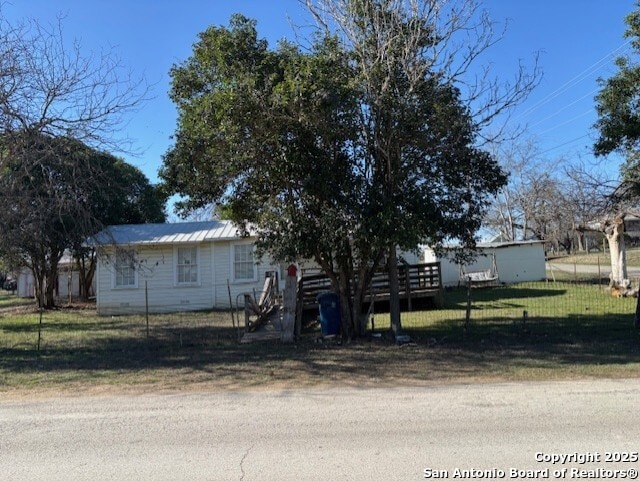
{"x":359,"y":291}
{"x":86,"y":271}
{"x":394,"y":292}
{"x":344,"y":288}
{"x":45,"y":275}
{"x":614,"y":232}
{"x":581,"y":243}
{"x":39,"y":282}
{"x":50,"y":289}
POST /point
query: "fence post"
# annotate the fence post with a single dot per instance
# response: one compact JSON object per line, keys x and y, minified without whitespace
{"x":146,"y":305}
{"x":41,"y":314}
{"x":599,"y":275}
{"x":40,"y":327}
{"x":468,"y":315}
{"x":233,"y":317}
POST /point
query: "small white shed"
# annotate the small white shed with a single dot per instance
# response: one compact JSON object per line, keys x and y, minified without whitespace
{"x":176,"y":267}
{"x":521,"y":261}
{"x":68,"y":280}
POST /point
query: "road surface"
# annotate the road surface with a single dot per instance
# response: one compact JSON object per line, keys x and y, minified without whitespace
{"x":604,"y":269}
{"x":325,"y":434}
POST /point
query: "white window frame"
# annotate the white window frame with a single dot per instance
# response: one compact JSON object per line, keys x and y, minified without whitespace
{"x":176,"y":265}
{"x":131,"y":256}
{"x":237,"y":280}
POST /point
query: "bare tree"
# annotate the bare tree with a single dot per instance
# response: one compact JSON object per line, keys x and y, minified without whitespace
{"x":49,"y":86}
{"x":53,"y":98}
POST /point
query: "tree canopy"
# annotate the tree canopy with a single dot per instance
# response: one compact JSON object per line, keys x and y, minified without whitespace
{"x":341,"y":152}
{"x":56,"y":192}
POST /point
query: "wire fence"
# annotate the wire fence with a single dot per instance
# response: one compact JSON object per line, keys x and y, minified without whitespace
{"x":545,"y":311}
{"x":568,"y":300}
{"x":77,"y":326}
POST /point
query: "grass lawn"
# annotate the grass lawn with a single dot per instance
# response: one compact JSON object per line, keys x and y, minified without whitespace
{"x":9,"y":300}
{"x":569,"y":331}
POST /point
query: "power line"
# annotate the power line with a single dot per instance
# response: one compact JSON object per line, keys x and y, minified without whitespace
{"x":567,"y":85}
{"x":565,"y":143}
{"x":564,"y":108}
{"x":566,"y":122}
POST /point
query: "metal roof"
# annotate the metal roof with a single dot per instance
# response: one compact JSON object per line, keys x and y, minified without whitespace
{"x":180,"y":232}
{"x":495,"y":245}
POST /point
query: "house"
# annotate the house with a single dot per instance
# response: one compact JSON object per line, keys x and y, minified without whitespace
{"x":67,"y":284}
{"x":176,"y":267}
{"x":518,"y":261}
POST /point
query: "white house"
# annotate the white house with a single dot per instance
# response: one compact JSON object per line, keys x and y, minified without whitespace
{"x":513,"y":262}
{"x":68,"y":282}
{"x":176,"y":267}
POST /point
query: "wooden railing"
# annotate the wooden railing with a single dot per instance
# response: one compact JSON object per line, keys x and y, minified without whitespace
{"x":415,"y":281}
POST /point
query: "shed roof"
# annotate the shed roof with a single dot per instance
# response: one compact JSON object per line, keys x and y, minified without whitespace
{"x":501,"y":245}
{"x":495,"y":245}
{"x":181,"y":232}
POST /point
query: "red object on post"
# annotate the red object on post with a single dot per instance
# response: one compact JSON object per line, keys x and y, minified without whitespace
{"x":292,"y":270}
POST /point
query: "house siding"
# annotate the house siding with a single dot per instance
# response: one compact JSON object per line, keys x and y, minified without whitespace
{"x":158,"y":276}
{"x":224,"y":282}
{"x":156,"y":282}
{"x":516,"y":262}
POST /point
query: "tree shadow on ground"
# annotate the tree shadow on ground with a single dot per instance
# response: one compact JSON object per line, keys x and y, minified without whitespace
{"x":457,"y":297}
{"x":494,"y":349}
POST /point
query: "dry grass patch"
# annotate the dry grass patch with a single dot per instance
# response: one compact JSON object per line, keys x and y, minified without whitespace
{"x":569,"y":333}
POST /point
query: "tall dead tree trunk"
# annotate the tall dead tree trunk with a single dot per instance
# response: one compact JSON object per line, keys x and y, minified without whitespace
{"x":614,"y":233}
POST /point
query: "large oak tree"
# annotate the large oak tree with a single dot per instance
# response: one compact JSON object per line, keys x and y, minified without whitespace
{"x":342,"y":151}
{"x":56,"y":193}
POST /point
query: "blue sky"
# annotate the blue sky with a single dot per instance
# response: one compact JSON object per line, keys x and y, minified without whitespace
{"x":577,"y":41}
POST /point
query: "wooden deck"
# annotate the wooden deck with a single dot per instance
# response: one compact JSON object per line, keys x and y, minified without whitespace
{"x":416,"y":281}
{"x":263,"y":318}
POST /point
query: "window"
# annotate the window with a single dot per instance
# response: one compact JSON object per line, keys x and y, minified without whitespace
{"x":186,"y":265}
{"x":244,"y":269}
{"x":125,"y":269}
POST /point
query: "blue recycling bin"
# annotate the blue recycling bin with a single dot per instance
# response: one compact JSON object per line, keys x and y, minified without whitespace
{"x":329,"y":306}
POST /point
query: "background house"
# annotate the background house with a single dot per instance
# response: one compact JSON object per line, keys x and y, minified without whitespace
{"x":515,"y":261}
{"x":176,"y":267}
{"x":68,"y":282}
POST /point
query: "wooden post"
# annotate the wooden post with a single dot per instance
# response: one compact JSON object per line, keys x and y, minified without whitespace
{"x":289,"y":305}
{"x":407,"y":280}
{"x":299,"y":307}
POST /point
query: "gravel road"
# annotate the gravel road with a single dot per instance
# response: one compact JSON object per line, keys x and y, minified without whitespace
{"x":604,"y":269}
{"x":318,"y":434}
